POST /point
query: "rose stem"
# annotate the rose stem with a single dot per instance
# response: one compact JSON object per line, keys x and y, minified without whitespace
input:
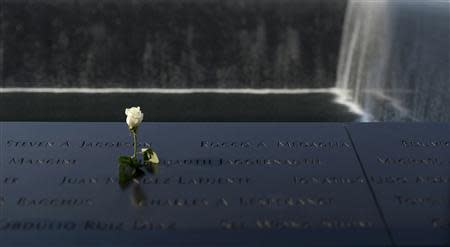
{"x":134,"y":143}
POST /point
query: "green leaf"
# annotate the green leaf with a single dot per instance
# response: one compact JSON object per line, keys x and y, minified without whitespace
{"x":135,"y":163}
{"x":126,"y":160}
{"x":129,"y":170}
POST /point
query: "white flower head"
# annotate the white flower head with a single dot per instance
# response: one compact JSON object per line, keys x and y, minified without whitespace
{"x":134,"y":117}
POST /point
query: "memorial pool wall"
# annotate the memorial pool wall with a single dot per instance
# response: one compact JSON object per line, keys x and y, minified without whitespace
{"x":172,"y":43}
{"x":385,"y":60}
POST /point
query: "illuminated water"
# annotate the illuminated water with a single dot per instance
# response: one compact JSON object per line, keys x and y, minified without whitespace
{"x":394,"y":59}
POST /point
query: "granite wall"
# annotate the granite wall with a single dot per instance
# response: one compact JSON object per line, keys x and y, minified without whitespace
{"x":170,"y":43}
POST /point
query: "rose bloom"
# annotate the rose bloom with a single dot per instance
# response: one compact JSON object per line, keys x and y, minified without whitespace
{"x":134,"y":117}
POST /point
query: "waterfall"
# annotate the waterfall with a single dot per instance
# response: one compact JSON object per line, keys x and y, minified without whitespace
{"x":394,"y":59}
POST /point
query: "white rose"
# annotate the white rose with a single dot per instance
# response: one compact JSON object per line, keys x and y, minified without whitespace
{"x":134,"y":117}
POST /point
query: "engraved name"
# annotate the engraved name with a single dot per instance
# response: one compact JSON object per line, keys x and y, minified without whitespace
{"x":319,"y":145}
{"x":270,"y":224}
{"x":290,"y":144}
{"x":67,"y":144}
{"x":36,"y":225}
{"x":410,"y":180}
{"x":328,"y":180}
{"x":107,"y":144}
{"x":54,"y":202}
{"x":406,"y":161}
{"x":233,"y":144}
{"x":160,"y":180}
{"x":346,"y":224}
{"x":413,"y":143}
{"x":285,"y":201}
{"x":145,"y":225}
{"x":426,"y":201}
{"x":271,"y":162}
{"x":42,"y":162}
{"x":196,"y":180}
{"x":313,"y":161}
{"x":79,"y":180}
{"x":299,"y":224}
{"x":88,"y":225}
{"x":432,"y":179}
{"x":389,"y":180}
{"x":30,"y":144}
{"x":176,"y":202}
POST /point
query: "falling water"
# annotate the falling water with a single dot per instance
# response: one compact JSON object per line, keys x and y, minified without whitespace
{"x":394,"y":59}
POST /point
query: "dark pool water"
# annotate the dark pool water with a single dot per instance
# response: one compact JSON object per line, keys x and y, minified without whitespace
{"x":195,"y":107}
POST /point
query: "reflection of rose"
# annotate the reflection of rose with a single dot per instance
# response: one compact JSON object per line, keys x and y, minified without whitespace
{"x":134,"y":117}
